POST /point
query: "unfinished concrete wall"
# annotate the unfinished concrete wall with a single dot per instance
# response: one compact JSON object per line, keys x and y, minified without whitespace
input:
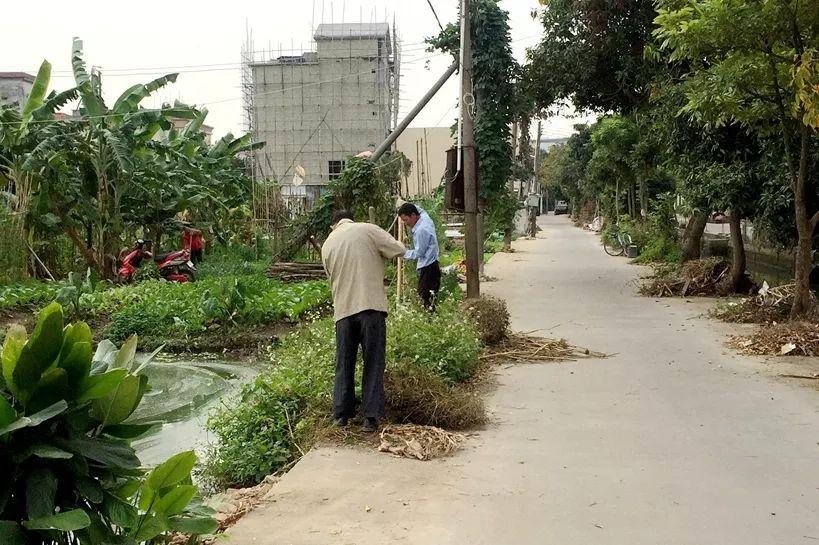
{"x":317,"y":109}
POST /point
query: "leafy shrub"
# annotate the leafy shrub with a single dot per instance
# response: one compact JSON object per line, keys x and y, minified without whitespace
{"x":258,"y":433}
{"x":657,"y":238}
{"x":491,"y":318}
{"x":71,"y":293}
{"x":72,"y":475}
{"x":444,"y":342}
{"x":225,"y":302}
{"x":148,"y":271}
{"x":661,"y":233}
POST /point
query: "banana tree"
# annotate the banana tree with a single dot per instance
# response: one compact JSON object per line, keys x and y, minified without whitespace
{"x":92,"y":164}
{"x":19,"y":134}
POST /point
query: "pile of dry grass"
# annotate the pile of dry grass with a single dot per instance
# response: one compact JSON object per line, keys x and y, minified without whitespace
{"x":710,"y":276}
{"x":230,"y":507}
{"x":419,"y":442}
{"x":770,"y":305}
{"x":491,"y":318}
{"x":522,"y":348}
{"x":788,"y":339}
{"x":421,"y":397}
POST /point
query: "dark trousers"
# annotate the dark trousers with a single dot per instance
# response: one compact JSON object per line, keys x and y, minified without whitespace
{"x":369,"y":330}
{"x":429,"y":283}
{"x":196,"y":256}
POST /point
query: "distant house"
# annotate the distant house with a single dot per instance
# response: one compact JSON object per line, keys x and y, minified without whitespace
{"x":426,"y":147}
{"x":15,"y":88}
{"x":180,"y":123}
{"x":548,"y":143}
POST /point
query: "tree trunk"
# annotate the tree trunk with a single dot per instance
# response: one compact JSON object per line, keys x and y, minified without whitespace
{"x":692,"y":238}
{"x":802,"y":301}
{"x":87,"y":253}
{"x":643,"y":198}
{"x":737,"y":251}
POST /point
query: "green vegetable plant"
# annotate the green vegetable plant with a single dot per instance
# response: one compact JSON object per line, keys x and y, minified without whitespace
{"x":72,"y":476}
{"x":69,"y":295}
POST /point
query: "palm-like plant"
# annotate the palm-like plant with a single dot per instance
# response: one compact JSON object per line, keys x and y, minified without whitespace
{"x":112,"y":172}
{"x":72,"y":476}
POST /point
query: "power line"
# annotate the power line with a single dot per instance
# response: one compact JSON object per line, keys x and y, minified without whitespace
{"x":212,"y":102}
{"x":213,"y":67}
{"x":210,"y":66}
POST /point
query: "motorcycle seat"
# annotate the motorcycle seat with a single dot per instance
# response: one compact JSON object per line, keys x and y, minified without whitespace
{"x":162,"y":257}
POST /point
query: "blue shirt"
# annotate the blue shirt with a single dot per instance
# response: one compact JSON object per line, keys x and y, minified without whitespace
{"x":424,"y":240}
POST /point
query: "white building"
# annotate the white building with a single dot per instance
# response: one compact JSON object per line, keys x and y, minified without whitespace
{"x":316,"y":109}
{"x":15,"y":88}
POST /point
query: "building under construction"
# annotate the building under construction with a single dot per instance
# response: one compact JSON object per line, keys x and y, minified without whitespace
{"x":318,"y":107}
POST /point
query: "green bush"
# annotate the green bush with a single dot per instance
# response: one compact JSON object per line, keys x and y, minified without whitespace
{"x":444,"y":342}
{"x":657,"y":239}
{"x":72,"y":475}
{"x":662,"y":237}
{"x":279,"y":414}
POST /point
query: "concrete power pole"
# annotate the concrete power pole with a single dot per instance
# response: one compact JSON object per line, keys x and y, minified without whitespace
{"x":467,"y":103}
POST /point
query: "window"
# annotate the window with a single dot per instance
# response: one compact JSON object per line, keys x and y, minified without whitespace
{"x":335,"y":168}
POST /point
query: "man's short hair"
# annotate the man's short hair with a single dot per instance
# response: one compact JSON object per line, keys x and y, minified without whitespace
{"x":339,"y":215}
{"x":408,"y":209}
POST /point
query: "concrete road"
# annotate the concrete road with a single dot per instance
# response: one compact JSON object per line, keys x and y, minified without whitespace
{"x":673,"y":440}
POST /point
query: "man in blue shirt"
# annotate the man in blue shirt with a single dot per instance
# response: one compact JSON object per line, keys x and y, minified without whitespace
{"x":424,"y":251}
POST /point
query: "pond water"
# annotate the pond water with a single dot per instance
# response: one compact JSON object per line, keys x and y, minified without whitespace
{"x":183,"y":393}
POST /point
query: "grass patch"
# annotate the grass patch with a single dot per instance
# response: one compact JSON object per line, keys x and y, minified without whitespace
{"x":278,"y":416}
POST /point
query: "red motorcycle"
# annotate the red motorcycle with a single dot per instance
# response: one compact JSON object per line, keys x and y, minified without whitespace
{"x":173,"y":267}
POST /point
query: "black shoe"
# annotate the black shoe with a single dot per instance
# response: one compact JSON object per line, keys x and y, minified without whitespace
{"x":340,"y":422}
{"x":370,"y":425}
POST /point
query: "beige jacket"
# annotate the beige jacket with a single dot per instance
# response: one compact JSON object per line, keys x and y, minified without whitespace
{"x":353,"y":256}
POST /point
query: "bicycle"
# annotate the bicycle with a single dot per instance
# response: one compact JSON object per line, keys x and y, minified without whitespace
{"x":615,"y":243}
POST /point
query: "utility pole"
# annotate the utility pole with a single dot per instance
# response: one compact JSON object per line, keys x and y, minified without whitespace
{"x":467,"y":103}
{"x":535,"y":182}
{"x":537,"y":152}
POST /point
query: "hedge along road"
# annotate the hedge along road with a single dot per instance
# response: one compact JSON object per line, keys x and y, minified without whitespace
{"x":673,"y":440}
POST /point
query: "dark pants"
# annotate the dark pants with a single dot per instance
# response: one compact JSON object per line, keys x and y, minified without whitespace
{"x":196,"y":256}
{"x":429,"y":283}
{"x":369,"y":330}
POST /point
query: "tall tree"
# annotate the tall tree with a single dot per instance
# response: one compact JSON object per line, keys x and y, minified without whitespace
{"x":757,"y":63}
{"x":592,"y":53}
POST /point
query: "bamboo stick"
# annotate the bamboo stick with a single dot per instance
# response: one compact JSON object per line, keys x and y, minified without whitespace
{"x":399,"y":290}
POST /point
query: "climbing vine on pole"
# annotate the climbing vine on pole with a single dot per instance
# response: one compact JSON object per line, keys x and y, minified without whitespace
{"x":495,"y":87}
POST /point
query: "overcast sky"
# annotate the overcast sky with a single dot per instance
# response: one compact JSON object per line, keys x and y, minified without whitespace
{"x":203,"y":43}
